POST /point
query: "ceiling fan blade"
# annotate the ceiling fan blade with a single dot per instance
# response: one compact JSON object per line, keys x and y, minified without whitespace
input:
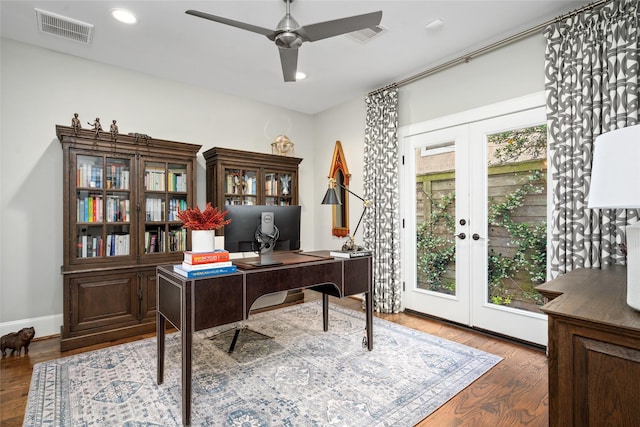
{"x":289,"y":61}
{"x":323,"y":30}
{"x":244,"y":26}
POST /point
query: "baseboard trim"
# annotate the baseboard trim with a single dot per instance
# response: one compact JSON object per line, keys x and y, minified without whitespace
{"x":523,"y":343}
{"x":44,"y":326}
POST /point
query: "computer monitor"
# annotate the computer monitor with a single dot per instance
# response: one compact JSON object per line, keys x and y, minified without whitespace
{"x":262,"y":229}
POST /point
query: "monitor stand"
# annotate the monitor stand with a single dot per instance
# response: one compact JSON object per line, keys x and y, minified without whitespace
{"x":268,"y":230}
{"x":266,"y":258}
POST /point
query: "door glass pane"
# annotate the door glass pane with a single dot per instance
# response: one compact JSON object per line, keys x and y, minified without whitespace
{"x":517,"y":213}
{"x":435,"y":218}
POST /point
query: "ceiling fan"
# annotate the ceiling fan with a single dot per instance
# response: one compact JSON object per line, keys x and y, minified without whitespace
{"x":289,"y":35}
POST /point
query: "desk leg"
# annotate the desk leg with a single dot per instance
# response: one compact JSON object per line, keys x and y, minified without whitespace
{"x":161,"y":327}
{"x":187,"y":340}
{"x":369,"y":308}
{"x":186,"y":377}
{"x":325,"y":312}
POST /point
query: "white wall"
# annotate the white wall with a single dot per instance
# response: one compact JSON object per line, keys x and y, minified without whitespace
{"x":510,"y":72}
{"x":345,"y":123}
{"x":42,"y":88}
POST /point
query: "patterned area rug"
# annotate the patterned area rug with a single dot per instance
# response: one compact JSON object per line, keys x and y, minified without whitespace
{"x":301,"y":377}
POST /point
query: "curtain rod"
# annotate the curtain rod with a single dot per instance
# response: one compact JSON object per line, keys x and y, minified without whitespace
{"x":468,"y":57}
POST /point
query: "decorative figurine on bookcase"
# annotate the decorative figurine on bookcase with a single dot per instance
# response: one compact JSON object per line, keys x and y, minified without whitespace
{"x":282,"y":145}
{"x":97,"y":127}
{"x":139,"y":136}
{"x":114,"y":130}
{"x":17,"y":340}
{"x":75,"y":123}
{"x":285,"y":180}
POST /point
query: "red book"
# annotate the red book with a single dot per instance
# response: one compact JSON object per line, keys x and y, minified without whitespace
{"x":195,"y":258}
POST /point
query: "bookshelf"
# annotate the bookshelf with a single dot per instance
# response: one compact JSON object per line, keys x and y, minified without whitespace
{"x":121,"y":200}
{"x":236,"y":177}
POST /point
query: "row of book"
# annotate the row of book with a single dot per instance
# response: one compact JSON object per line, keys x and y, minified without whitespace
{"x":177,"y":181}
{"x":205,"y":264}
{"x":93,"y":246}
{"x":244,"y":185}
{"x":90,"y":209}
{"x":154,"y":209}
{"x":89,"y":175}
{"x":155,"y":241}
{"x":118,"y":176}
{"x":154,"y":178}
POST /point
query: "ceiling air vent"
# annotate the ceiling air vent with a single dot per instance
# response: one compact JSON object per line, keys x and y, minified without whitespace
{"x":62,"y":26}
{"x":365,"y":35}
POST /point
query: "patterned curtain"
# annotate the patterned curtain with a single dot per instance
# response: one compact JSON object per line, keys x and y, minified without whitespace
{"x":591,"y":72}
{"x":381,"y":221}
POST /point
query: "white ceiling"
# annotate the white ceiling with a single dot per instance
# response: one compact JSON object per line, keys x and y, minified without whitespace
{"x":168,"y":43}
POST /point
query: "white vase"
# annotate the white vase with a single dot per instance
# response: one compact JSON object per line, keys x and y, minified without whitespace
{"x":203,"y":240}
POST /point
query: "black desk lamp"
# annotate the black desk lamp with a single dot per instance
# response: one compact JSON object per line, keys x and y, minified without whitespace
{"x":331,"y":198}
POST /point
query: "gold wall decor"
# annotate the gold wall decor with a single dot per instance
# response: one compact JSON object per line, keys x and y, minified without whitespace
{"x":340,"y":172}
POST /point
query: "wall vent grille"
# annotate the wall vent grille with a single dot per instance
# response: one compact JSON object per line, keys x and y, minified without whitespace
{"x":366,"y":34}
{"x":62,"y":26}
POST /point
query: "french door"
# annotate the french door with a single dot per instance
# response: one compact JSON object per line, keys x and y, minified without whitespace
{"x":475,"y":215}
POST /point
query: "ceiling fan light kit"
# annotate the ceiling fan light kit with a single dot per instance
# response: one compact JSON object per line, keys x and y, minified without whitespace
{"x":289,"y":35}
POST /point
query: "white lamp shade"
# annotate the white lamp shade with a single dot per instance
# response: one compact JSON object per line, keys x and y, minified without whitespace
{"x":615,"y":174}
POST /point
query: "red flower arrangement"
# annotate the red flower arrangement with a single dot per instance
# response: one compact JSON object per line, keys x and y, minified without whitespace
{"x":208,"y":219}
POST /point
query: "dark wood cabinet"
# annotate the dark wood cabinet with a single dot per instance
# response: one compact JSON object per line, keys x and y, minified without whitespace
{"x":594,"y":350}
{"x":120,"y":203}
{"x":236,"y":177}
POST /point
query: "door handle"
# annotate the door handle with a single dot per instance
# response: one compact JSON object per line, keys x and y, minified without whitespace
{"x":475,"y":236}
{"x":460,"y":236}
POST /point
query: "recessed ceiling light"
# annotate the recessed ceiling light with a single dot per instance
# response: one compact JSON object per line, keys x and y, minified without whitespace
{"x":300,"y":75}
{"x":124,"y":16}
{"x":436,"y":23}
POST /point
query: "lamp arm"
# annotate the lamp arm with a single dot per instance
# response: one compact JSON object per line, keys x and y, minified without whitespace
{"x":366,"y":205}
{"x":359,"y":221}
{"x":349,"y":191}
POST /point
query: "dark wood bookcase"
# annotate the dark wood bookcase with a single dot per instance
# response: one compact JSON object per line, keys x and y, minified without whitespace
{"x":120,"y":202}
{"x":236,"y":177}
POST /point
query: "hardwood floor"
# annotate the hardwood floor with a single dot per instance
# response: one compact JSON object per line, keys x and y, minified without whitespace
{"x":513,"y":393}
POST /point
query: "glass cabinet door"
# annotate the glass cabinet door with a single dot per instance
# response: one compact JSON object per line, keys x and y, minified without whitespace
{"x":165,"y":194}
{"x":103,"y":207}
{"x":240,"y":187}
{"x":277,"y":188}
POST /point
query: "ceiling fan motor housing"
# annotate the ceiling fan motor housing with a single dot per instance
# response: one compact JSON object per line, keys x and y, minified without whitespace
{"x":288,"y":40}
{"x":287,"y":37}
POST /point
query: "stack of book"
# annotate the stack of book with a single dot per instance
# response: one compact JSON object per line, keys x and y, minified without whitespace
{"x":205,"y":264}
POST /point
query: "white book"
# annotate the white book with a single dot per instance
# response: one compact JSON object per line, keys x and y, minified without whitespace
{"x":191,"y":267}
{"x":350,"y":254}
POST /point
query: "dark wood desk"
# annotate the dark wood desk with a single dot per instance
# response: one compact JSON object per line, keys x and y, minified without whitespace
{"x":195,"y":304}
{"x":594,"y":349}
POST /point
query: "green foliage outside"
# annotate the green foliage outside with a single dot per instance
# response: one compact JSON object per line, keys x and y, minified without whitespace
{"x":514,"y":144}
{"x":435,"y":252}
